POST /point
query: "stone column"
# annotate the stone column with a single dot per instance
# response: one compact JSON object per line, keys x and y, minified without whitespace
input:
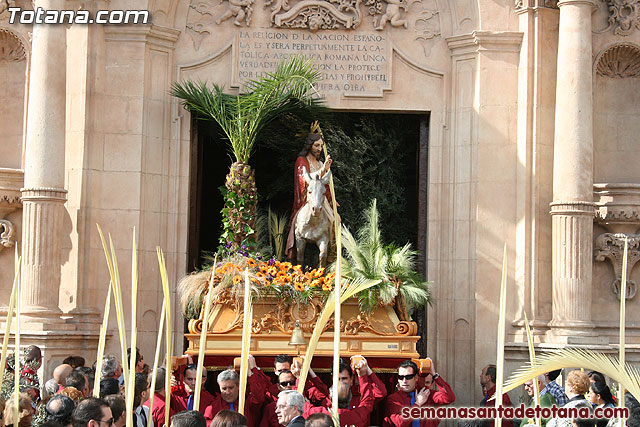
{"x":572,"y":208}
{"x":43,"y":195}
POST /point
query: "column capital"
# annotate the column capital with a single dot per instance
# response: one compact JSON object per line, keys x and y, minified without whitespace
{"x":591,"y":3}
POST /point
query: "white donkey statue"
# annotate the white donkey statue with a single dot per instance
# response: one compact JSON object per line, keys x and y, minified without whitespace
{"x":313,"y":223}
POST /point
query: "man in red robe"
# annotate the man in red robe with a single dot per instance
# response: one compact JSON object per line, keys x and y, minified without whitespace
{"x":183,"y":395}
{"x":228,"y":381}
{"x":487,"y":381}
{"x":358,"y":416}
{"x":408,"y":396}
{"x":309,"y":159}
{"x":159,"y":401}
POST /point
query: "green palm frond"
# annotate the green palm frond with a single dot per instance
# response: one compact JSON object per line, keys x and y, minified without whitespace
{"x":290,"y":88}
{"x":416,"y":294}
{"x":626,"y":375}
{"x":367,"y":257}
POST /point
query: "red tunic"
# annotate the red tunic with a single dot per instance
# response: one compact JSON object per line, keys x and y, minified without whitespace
{"x":180,"y":400}
{"x":253,"y":403}
{"x":358,"y":417}
{"x":157,"y":413}
{"x":299,"y":199}
{"x":505,"y":402}
{"x":400,"y":399}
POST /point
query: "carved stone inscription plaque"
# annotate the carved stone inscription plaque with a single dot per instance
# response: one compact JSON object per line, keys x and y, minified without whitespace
{"x":350,"y":64}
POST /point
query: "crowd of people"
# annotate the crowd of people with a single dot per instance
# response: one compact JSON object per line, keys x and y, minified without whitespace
{"x":582,"y":390}
{"x":67,"y":398}
{"x":271,"y":401}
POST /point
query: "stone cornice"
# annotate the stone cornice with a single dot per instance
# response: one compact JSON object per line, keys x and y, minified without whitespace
{"x":155,"y":34}
{"x":498,"y":41}
{"x":591,"y":3}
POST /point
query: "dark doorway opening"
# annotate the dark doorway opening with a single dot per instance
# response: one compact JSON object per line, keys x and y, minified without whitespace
{"x":381,"y":155}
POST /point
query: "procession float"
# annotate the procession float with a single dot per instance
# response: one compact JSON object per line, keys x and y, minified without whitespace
{"x":290,"y":298}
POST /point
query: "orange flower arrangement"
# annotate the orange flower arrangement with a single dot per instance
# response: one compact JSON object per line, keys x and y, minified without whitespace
{"x":280,"y":278}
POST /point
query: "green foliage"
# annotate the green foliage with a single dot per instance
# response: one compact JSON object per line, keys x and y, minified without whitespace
{"x":289,"y":88}
{"x":277,"y":236}
{"x":237,"y":205}
{"x":374,"y":156}
{"x":367,"y":257}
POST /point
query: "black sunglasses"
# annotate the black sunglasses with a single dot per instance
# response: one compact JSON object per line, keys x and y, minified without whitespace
{"x":406,"y":377}
{"x":286,"y":383}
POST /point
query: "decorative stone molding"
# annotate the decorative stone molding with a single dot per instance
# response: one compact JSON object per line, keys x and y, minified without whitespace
{"x":11,"y":48}
{"x":320,"y":15}
{"x":611,"y":246}
{"x":6,"y":237}
{"x":620,"y":60}
{"x":427,"y":28}
{"x":524,"y":4}
{"x":10,"y":182}
{"x":624,"y":16}
{"x":310,"y":14}
{"x":198,"y":20}
{"x":618,"y":206}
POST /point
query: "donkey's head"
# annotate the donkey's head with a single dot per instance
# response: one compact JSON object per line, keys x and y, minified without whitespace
{"x":315,"y":190}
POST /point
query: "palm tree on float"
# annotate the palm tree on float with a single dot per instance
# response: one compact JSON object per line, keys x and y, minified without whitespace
{"x":290,"y":88}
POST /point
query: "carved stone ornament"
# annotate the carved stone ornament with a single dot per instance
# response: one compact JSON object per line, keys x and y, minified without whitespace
{"x":6,"y":236}
{"x":624,"y":16}
{"x":611,"y":246}
{"x":317,"y":14}
{"x":11,"y":48}
{"x":522,"y":4}
{"x":239,"y":10}
{"x":198,"y":20}
{"x":621,"y":60}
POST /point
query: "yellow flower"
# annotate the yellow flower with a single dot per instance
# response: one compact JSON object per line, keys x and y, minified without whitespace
{"x":299,"y":286}
{"x":327,"y":287}
{"x":319,"y":272}
{"x":237,"y":279}
{"x":272,"y":271}
{"x":260,"y":275}
{"x":251,"y":262}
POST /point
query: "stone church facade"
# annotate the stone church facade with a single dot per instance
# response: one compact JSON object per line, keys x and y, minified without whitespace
{"x":534,"y":120}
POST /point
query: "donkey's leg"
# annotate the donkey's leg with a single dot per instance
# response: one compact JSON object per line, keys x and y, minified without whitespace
{"x":323,"y":244}
{"x":300,"y":245}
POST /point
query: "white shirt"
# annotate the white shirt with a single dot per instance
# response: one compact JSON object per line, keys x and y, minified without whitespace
{"x":142,"y":418}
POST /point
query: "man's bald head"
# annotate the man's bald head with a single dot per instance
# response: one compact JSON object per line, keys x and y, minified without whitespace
{"x":61,"y":372}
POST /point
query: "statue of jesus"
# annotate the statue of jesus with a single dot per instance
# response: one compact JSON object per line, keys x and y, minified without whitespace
{"x":308,"y":158}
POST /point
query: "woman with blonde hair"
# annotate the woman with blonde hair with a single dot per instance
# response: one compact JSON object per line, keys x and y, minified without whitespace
{"x":577,"y":386}
{"x":25,"y":413}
